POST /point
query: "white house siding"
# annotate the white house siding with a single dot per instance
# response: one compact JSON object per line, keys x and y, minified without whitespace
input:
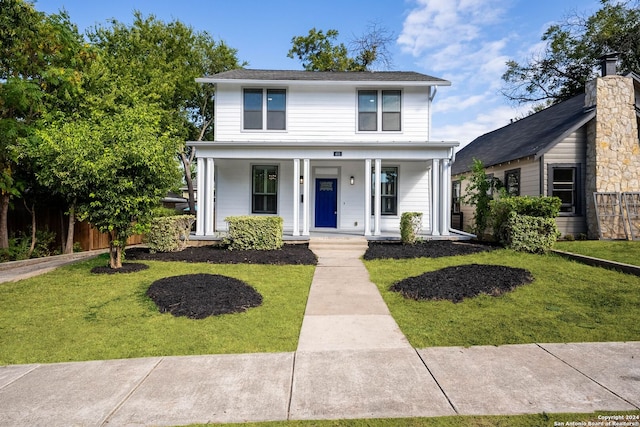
{"x":571,"y":150}
{"x":328,"y":113}
{"x":233,"y":186}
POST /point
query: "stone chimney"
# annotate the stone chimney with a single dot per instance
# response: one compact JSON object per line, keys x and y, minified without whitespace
{"x":613,"y":148}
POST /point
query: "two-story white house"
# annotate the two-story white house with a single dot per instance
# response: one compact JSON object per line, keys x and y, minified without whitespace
{"x":326,"y":151}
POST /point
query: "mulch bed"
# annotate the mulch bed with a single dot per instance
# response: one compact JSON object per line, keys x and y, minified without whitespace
{"x":200,"y":295}
{"x":428,"y":249}
{"x":287,"y":255}
{"x":463,"y":281}
{"x":127,"y":267}
{"x":197,"y":296}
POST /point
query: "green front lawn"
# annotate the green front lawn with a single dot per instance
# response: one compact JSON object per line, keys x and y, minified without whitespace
{"x":624,"y":251}
{"x":567,"y":302}
{"x":73,"y":315}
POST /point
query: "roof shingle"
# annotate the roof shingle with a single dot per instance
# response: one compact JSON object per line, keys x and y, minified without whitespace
{"x":530,"y":136}
{"x":344,"y":76}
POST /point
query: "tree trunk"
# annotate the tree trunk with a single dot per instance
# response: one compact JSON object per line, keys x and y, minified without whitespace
{"x":4,"y":214}
{"x":68,"y":247}
{"x":115,"y":251}
{"x":186,"y":163}
{"x":32,"y":211}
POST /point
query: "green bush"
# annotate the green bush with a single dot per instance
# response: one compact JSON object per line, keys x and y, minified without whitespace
{"x":20,"y":243}
{"x":169,"y":233}
{"x":410,"y":226}
{"x":501,"y":210}
{"x":254,"y":232}
{"x":530,"y":233}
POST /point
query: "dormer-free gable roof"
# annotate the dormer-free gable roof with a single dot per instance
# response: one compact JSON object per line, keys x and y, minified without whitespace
{"x":531,"y":136}
{"x":364,"y":78}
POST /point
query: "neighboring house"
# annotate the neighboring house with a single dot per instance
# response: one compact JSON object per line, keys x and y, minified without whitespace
{"x":342,"y":151}
{"x":589,"y":143}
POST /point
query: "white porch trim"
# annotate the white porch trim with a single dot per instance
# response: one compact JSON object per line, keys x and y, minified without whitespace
{"x":437,"y":155}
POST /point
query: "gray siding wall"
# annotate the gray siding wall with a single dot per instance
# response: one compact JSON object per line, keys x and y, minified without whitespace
{"x":571,"y":151}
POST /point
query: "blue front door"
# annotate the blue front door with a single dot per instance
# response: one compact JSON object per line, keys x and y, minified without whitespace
{"x":326,"y":202}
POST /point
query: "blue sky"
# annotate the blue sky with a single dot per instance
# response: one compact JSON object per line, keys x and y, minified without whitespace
{"x":464,"y":41}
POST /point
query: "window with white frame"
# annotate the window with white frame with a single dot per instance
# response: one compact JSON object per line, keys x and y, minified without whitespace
{"x":456,"y":195}
{"x":512,"y":182}
{"x":388,"y":191}
{"x":563,"y":183}
{"x":371,"y":117}
{"x":264,"y":109}
{"x":264,"y":197}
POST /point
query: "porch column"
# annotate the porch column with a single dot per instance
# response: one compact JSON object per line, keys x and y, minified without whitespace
{"x":296,"y":197}
{"x":201,"y":197}
{"x":445,"y":197}
{"x":210,"y":200}
{"x":435,"y":197}
{"x":367,"y":197}
{"x":306,"y":200}
{"x":377,"y":198}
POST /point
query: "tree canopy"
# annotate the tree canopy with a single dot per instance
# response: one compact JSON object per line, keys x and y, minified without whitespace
{"x":42,"y":59}
{"x":162,"y":60}
{"x":320,"y":51}
{"x":573,"y":51}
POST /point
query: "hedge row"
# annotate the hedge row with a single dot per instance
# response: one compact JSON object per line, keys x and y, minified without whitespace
{"x":254,"y":232}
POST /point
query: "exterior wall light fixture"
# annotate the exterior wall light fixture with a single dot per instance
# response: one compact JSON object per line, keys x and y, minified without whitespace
{"x":352,"y":180}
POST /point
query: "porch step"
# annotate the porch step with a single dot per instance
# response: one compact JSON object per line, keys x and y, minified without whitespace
{"x":338,"y":243}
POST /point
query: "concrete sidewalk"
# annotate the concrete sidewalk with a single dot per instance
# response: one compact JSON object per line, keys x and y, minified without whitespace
{"x":352,"y":361}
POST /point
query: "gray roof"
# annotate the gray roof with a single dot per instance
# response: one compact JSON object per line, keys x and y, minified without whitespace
{"x":531,"y":136}
{"x":326,"y":76}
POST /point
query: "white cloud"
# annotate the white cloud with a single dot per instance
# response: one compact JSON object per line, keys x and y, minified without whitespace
{"x":456,"y":103}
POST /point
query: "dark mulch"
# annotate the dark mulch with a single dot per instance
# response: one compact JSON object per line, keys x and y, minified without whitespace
{"x":463,"y":281}
{"x":127,"y":267}
{"x":287,"y":255}
{"x":428,"y":249}
{"x":197,"y":296}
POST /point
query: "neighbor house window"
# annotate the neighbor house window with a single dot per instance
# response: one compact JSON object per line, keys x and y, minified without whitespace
{"x":563,"y":183}
{"x":512,"y":182}
{"x":456,"y":194}
{"x":264,"y":198}
{"x":372,"y":118}
{"x":265,"y":106}
{"x":388,"y":191}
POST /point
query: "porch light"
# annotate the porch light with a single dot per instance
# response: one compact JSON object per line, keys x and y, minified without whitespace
{"x":352,"y":180}
{"x":301,"y":179}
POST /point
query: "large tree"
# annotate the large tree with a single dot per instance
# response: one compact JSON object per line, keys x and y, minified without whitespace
{"x":319,"y":51}
{"x":162,"y":60}
{"x":41,"y":62}
{"x":573,"y":51}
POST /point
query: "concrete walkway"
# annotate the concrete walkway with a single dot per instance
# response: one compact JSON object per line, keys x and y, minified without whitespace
{"x":352,"y":362}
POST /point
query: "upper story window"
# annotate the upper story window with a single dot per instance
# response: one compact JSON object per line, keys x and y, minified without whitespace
{"x":371,"y":117}
{"x":265,"y":106}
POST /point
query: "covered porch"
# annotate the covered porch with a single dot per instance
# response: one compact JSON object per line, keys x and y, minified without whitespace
{"x":327,"y":188}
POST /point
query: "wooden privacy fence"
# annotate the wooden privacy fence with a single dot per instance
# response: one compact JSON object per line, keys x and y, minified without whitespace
{"x":90,"y":239}
{"x":618,"y":215}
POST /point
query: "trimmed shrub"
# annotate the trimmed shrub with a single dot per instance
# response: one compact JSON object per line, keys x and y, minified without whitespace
{"x":254,"y":232}
{"x":502,"y":209}
{"x":410,"y":226}
{"x":530,"y":233}
{"x":169,"y":233}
